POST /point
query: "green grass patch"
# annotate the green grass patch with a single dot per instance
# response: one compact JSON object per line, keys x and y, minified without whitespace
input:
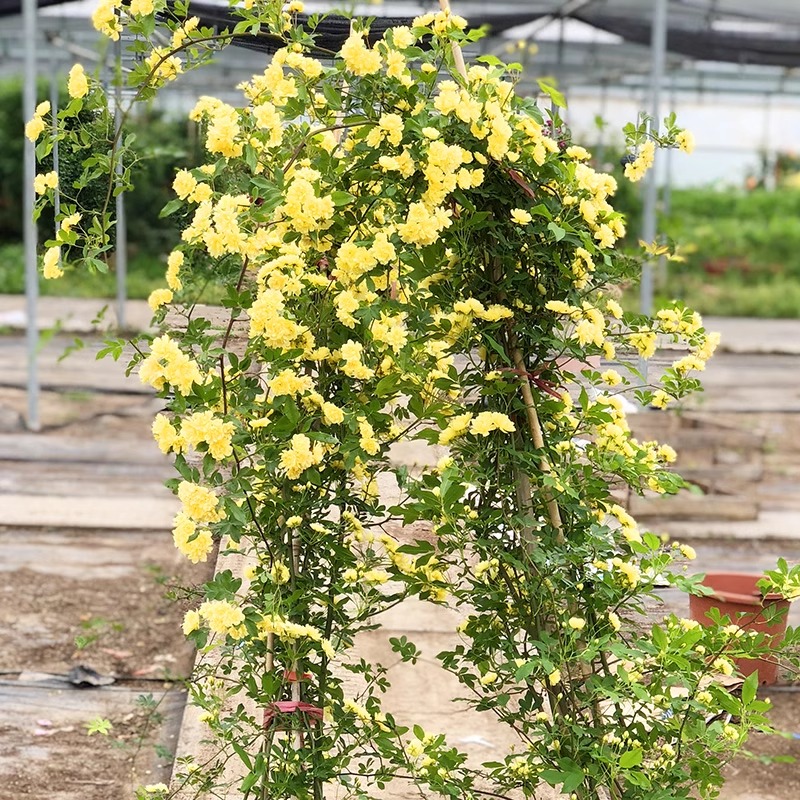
{"x":145,"y":273}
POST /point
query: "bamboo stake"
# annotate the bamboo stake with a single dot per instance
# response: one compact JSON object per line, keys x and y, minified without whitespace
{"x":519,"y":363}
{"x":538,"y":440}
{"x":458,"y":55}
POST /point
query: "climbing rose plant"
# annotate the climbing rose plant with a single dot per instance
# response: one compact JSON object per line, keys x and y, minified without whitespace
{"x":409,"y":251}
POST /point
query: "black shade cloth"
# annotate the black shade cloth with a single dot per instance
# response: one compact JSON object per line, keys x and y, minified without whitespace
{"x":331,"y":33}
{"x":697,"y":42}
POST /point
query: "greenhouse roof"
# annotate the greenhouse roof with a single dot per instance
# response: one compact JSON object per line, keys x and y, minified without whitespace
{"x":713,"y":45}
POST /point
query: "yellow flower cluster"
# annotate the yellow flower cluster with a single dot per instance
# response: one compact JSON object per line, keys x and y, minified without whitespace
{"x":303,"y":209}
{"x":106,"y":20}
{"x":488,"y":421}
{"x":390,"y":330}
{"x":35,"y":126}
{"x":300,"y":456}
{"x":167,"y":364}
{"x":358,"y":58}
{"x":200,"y":504}
{"x":291,"y":631}
{"x":77,"y":83}
{"x":205,"y":427}
{"x":423,"y":226}
{"x":51,"y":263}
{"x":457,"y":426}
{"x":167,"y":436}
{"x":187,"y":187}
{"x":222,"y":616}
{"x":43,"y":182}
{"x":195,"y":543}
{"x":267,"y":321}
{"x":589,"y":323}
{"x":636,"y":169}
{"x":288,"y":382}
{"x":351,"y":353}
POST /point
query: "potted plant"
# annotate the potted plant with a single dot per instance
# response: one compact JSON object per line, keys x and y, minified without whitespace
{"x":752,"y":603}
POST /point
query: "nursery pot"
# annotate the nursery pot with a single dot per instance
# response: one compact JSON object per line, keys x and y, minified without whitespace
{"x":736,"y":595}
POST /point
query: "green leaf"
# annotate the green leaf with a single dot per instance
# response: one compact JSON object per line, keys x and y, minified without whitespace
{"x":170,"y":208}
{"x":492,"y":61}
{"x":525,"y":670}
{"x":342,"y":198}
{"x":557,"y":231}
{"x":631,"y":758}
{"x":553,"y":93}
{"x":749,"y":688}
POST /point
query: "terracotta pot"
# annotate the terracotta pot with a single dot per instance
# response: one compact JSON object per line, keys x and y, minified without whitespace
{"x":737,"y":596}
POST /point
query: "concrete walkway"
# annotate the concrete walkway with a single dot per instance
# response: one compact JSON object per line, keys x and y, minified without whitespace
{"x":72,"y":314}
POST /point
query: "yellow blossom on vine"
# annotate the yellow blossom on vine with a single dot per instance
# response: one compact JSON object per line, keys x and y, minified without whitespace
{"x":660,"y":399}
{"x":685,"y":141}
{"x":167,"y":436}
{"x":191,"y":621}
{"x":77,"y":83}
{"x":221,"y":615}
{"x":69,"y":222}
{"x":140,"y":8}
{"x":488,"y":421}
{"x":358,"y":58}
{"x":51,"y":263}
{"x":288,"y":382}
{"x":520,"y":216}
{"x":174,"y":264}
{"x":158,"y":298}
{"x":611,"y":377}
{"x":636,"y":169}
{"x":300,"y":456}
{"x":167,"y":364}
{"x":205,"y":427}
{"x":45,"y":181}
{"x":105,"y":19}
{"x":195,"y":543}
{"x":199,"y":503}
{"x":351,"y":353}
{"x":457,"y":426}
{"x":630,"y":572}
{"x":279,"y":573}
{"x":644,"y":341}
{"x":688,"y":552}
{"x":422,"y":225}
{"x":402,"y":37}
{"x":184,"y":183}
{"x":367,"y":442}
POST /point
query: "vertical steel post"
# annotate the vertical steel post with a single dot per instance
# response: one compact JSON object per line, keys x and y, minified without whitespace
{"x":29,"y":12}
{"x":121,"y":227}
{"x":658,"y":49}
{"x":54,"y":129}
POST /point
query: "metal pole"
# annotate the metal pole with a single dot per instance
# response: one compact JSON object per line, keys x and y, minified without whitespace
{"x":121,"y":228}
{"x":54,"y":129}
{"x":658,"y":49}
{"x":29,"y":12}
